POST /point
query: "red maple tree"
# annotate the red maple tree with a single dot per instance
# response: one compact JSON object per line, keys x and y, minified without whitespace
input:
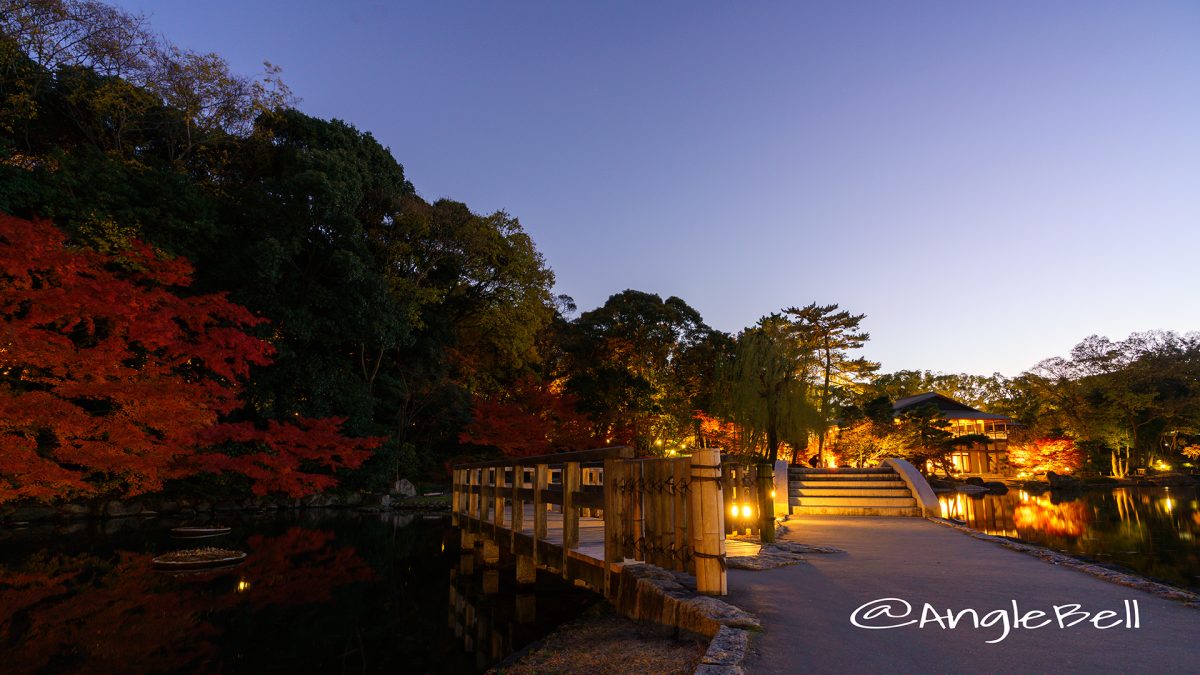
{"x":530,"y":419}
{"x":111,"y":378}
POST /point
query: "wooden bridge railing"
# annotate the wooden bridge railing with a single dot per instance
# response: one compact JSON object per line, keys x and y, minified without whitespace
{"x":748,"y":487}
{"x":666,"y":511}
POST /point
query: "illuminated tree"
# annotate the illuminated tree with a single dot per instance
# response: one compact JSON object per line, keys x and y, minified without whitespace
{"x":833,"y":335}
{"x":110,"y":379}
{"x":530,"y":420}
{"x":1040,"y":455}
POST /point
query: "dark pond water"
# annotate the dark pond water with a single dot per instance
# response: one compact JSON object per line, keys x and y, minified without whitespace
{"x":318,"y":593}
{"x":1154,"y":532}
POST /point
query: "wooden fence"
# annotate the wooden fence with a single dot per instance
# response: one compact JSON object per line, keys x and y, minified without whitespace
{"x":664,"y":511}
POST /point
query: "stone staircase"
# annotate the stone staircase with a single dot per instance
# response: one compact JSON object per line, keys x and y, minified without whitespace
{"x":850,"y":492}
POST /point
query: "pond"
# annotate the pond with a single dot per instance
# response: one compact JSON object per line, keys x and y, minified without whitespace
{"x":321,"y":592}
{"x":1154,"y":532}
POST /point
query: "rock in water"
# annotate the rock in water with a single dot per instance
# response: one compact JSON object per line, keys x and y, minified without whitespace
{"x":405,"y":488}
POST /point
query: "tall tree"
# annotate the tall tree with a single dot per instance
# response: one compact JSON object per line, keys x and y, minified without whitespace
{"x":636,"y":367}
{"x":765,"y":385}
{"x":834,"y":334}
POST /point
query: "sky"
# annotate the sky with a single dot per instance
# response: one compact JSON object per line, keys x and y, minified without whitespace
{"x":988,"y":182}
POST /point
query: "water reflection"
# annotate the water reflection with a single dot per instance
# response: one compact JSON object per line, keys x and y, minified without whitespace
{"x":493,"y":611}
{"x":325,"y":593}
{"x":1152,"y":531}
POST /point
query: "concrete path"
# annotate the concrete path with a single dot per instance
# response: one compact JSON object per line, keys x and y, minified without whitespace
{"x":806,"y":609}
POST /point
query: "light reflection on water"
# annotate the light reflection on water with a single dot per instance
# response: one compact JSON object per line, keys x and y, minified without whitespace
{"x":1151,"y":531}
{"x":318,"y":592}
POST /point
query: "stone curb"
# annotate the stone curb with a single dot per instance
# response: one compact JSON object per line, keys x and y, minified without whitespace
{"x":1164,"y":591}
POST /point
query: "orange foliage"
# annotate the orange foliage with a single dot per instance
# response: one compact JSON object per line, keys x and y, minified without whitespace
{"x":1045,"y":454}
{"x":719,"y":434}
{"x":1068,"y":519}
{"x":531,"y":420}
{"x":110,"y":378}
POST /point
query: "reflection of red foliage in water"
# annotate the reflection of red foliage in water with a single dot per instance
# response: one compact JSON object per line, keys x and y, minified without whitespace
{"x":1068,"y":519}
{"x":298,"y":567}
{"x":86,"y":614}
{"x":101,"y":624}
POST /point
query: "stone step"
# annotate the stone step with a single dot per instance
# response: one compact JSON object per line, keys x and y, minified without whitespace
{"x":853,"y":500}
{"x":851,"y":493}
{"x":878,"y":469}
{"x":912,"y":512}
{"x":849,"y":484}
{"x":815,"y":477}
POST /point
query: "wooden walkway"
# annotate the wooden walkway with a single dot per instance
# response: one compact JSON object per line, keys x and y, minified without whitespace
{"x":589,"y":551}
{"x":587,"y":514}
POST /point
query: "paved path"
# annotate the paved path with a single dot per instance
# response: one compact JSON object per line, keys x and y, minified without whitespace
{"x":806,"y":608}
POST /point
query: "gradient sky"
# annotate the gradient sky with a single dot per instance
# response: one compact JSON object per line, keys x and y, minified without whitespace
{"x":989,"y":183}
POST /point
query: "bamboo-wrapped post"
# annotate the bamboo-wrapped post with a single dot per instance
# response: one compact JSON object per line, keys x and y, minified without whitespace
{"x":570,"y":486}
{"x":707,"y":512}
{"x":541,"y":478}
{"x":766,"y":502}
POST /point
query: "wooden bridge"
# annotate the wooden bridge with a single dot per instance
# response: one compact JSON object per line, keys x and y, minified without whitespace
{"x":586,"y":514}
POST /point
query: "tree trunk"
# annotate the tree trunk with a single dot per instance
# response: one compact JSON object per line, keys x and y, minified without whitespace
{"x":824,"y":404}
{"x":766,"y":503}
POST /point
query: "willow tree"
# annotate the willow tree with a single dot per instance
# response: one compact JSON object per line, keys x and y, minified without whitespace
{"x":765,"y":386}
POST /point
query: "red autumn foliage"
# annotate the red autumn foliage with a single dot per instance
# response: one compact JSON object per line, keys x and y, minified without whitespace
{"x":530,"y":420}
{"x":110,"y":379}
{"x":281,"y":452}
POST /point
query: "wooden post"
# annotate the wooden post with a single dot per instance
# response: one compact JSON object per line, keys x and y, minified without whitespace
{"x":473,"y":494}
{"x":707,"y":512}
{"x":518,"y":505}
{"x":455,"y":494}
{"x":541,"y":478}
{"x":485,"y":500}
{"x":766,"y":503}
{"x":679,"y":471}
{"x":498,"y":498}
{"x":613,"y":514}
{"x":637,"y":476}
{"x":570,"y":486}
{"x":657,"y":501}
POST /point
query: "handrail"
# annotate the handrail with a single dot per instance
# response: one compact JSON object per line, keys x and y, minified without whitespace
{"x":598,"y":454}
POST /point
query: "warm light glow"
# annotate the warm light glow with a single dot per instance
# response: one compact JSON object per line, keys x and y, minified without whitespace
{"x":772,"y":494}
{"x":658,"y":442}
{"x":733,"y":510}
{"x":746,"y":512}
{"x":243,"y":586}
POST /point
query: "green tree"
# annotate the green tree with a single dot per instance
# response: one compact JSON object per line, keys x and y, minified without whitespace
{"x":834,"y":334}
{"x":765,"y":385}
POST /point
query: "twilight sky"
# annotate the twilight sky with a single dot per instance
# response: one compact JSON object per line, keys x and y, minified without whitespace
{"x":989,"y":184}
